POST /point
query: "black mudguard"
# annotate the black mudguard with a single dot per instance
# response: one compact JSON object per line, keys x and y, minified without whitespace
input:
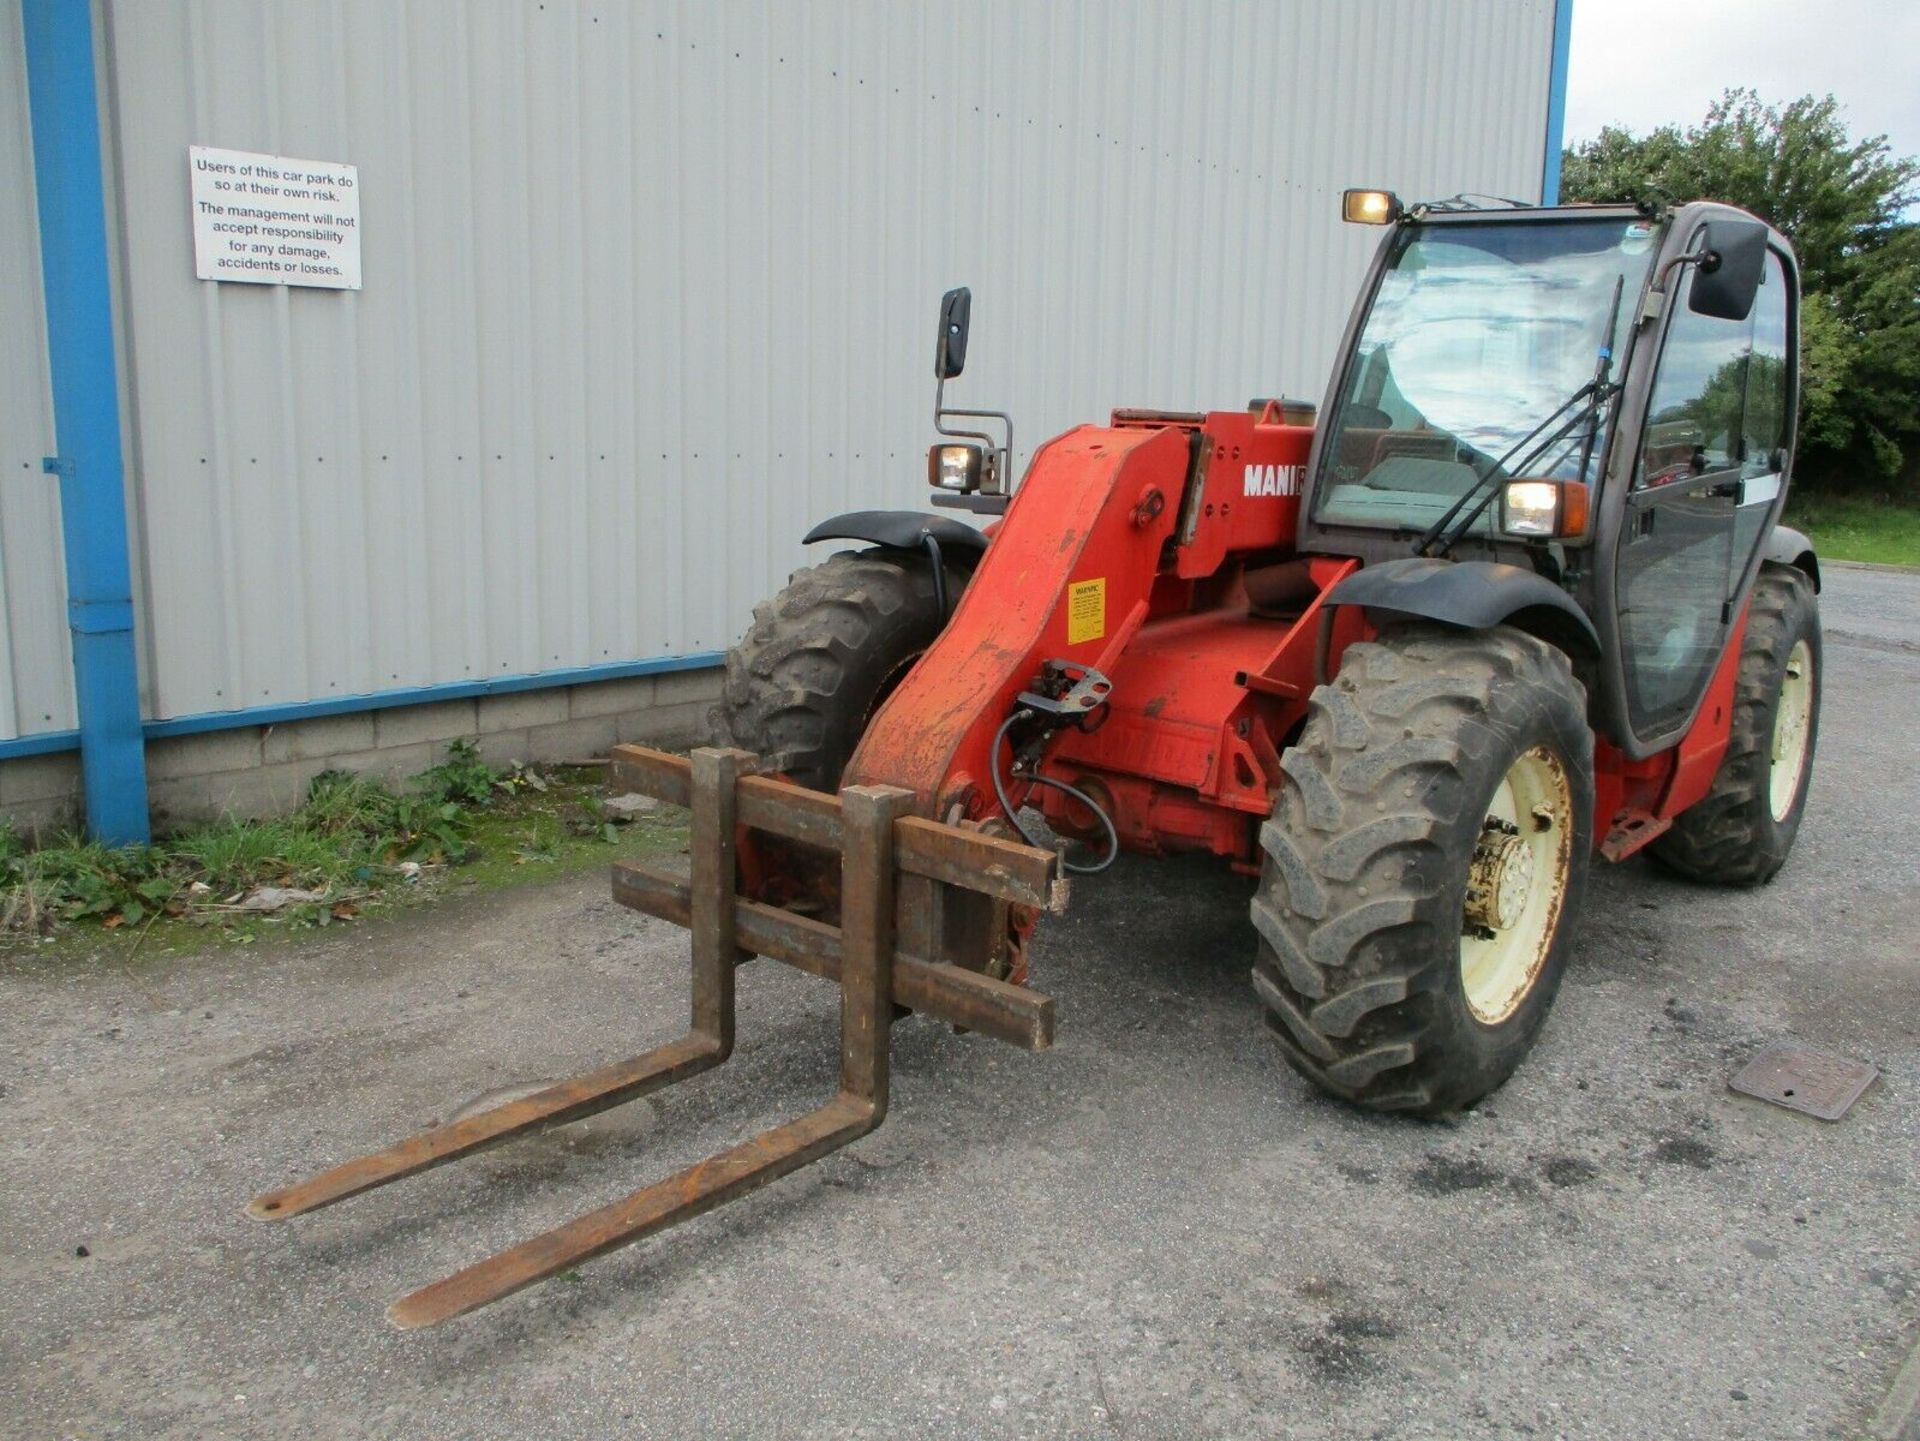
{"x":1470,"y":594}
{"x":1787,"y":546}
{"x":901,"y":529}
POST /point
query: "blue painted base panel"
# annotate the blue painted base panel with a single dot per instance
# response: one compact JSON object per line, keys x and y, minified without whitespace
{"x":54,"y":741}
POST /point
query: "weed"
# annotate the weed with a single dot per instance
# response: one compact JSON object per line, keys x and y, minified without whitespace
{"x":339,"y":803}
{"x":84,"y":880}
{"x":461,"y":779}
{"x":353,"y":841}
{"x":541,"y":843}
{"x":429,"y":831}
{"x":231,"y":855}
{"x":352,"y":837}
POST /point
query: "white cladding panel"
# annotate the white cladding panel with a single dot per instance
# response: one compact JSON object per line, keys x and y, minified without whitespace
{"x":36,"y":661}
{"x":651,"y":287}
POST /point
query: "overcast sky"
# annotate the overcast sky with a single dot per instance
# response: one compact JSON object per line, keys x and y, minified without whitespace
{"x":1643,"y":63}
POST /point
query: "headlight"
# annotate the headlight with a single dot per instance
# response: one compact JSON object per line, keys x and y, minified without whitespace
{"x":955,"y":467}
{"x":1533,"y":507}
{"x":1544,"y":509}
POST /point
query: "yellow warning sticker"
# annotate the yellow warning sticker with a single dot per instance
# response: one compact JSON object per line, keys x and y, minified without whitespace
{"x":1086,"y":610}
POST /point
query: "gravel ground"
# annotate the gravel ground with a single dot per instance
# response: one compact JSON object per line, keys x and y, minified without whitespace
{"x":1152,"y":1230}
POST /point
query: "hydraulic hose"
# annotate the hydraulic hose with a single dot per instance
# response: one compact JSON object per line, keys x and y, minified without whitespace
{"x":1013,"y":814}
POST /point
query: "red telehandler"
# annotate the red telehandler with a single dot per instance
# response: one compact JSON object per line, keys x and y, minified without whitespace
{"x":1515,"y":596}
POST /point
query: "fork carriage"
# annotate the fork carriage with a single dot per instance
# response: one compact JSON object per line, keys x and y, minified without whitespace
{"x":895,"y":872}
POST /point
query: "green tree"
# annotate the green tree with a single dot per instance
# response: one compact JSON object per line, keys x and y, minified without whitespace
{"x":1843,"y":202}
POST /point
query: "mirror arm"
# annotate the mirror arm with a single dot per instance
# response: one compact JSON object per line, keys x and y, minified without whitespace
{"x":940,"y":413}
{"x":1003,"y":452}
{"x":1692,"y":257}
{"x":999,"y":415}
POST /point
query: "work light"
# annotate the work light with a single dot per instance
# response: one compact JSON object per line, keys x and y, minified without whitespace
{"x":956,"y":467}
{"x":1370,"y":207}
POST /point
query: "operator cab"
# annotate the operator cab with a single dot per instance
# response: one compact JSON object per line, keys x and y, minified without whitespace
{"x":1600,"y":396}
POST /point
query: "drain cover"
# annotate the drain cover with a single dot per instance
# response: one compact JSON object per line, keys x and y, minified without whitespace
{"x":1803,"y":1079}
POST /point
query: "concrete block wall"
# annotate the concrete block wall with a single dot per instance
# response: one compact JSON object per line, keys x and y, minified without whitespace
{"x":41,"y":794}
{"x":255,"y":771}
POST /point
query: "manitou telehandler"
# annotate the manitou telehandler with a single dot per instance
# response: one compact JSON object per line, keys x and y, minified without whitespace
{"x":1517,"y":597}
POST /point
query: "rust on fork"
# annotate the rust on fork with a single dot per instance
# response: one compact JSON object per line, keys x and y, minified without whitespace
{"x":555,"y":1106}
{"x":878,"y":840}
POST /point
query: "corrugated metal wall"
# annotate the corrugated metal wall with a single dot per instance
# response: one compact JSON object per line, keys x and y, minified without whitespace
{"x":36,"y":661}
{"x":649,"y":287}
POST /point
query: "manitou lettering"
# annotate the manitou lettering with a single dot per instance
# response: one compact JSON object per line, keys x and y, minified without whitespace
{"x":1273,"y":480}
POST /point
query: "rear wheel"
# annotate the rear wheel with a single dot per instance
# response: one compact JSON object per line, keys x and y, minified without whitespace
{"x":820,"y":656}
{"x":1740,"y":832}
{"x":1424,"y":864}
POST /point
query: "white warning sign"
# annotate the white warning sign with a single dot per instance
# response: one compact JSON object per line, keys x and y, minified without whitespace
{"x":274,"y":220}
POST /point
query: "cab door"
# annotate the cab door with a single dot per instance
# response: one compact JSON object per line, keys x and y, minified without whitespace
{"x":1767,"y":429}
{"x":1683,"y":548}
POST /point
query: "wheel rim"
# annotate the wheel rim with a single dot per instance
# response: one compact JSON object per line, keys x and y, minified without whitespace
{"x":1792,"y":728}
{"x":1516,"y":885}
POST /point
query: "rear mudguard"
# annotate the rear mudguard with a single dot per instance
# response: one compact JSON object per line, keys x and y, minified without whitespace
{"x":1472,"y":595}
{"x":900,"y":529}
{"x":1787,"y":546}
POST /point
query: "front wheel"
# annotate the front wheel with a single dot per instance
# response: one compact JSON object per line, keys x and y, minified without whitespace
{"x":1739,"y":833}
{"x":1425,"y":862}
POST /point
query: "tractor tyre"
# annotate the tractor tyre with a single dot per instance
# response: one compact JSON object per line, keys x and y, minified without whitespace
{"x":1739,"y":833}
{"x":1425,"y":863}
{"x":821,"y":655}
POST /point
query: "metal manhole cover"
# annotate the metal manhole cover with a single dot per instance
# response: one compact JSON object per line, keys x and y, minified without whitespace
{"x":1803,"y":1079}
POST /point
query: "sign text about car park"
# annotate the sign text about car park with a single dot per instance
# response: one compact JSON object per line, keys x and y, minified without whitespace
{"x":274,"y":220}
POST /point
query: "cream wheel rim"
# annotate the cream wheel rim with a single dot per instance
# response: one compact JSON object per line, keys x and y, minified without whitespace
{"x":1516,"y":885}
{"x":1792,"y":728}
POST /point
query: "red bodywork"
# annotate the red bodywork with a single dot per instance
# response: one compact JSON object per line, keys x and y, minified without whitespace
{"x":1159,"y":550}
{"x":1639,"y":799}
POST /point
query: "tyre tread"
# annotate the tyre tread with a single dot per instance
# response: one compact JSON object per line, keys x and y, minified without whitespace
{"x":1728,"y":837}
{"x":1350,"y":947}
{"x":788,"y":695}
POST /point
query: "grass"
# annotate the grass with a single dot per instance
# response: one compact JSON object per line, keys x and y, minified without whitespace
{"x":353,"y":848}
{"x":1878,"y":532}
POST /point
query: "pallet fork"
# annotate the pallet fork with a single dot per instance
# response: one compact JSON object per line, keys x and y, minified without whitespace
{"x":890,"y":862}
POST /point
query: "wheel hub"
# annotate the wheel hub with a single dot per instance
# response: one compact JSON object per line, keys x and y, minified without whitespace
{"x":1499,"y":878}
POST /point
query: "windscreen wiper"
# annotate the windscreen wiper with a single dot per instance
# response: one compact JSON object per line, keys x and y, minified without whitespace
{"x":1441,"y":536}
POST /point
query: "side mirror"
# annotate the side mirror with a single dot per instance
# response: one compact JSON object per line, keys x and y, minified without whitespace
{"x":950,"y":355}
{"x":1725,"y":282}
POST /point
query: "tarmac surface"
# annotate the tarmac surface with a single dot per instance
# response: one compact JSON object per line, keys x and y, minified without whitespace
{"x":1153,"y":1230}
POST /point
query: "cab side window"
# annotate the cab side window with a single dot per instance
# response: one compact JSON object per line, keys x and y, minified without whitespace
{"x":1764,"y":428}
{"x":1769,"y":391}
{"x":1695,"y":420}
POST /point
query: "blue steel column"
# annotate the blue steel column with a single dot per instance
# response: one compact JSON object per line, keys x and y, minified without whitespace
{"x":68,"y":186}
{"x":1557,"y":102}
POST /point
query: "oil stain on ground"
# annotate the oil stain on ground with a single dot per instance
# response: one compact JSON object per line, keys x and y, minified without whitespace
{"x":1675,"y":1150}
{"x":1443,"y":1175}
{"x":1566,"y":1171}
{"x":1343,"y":1350}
